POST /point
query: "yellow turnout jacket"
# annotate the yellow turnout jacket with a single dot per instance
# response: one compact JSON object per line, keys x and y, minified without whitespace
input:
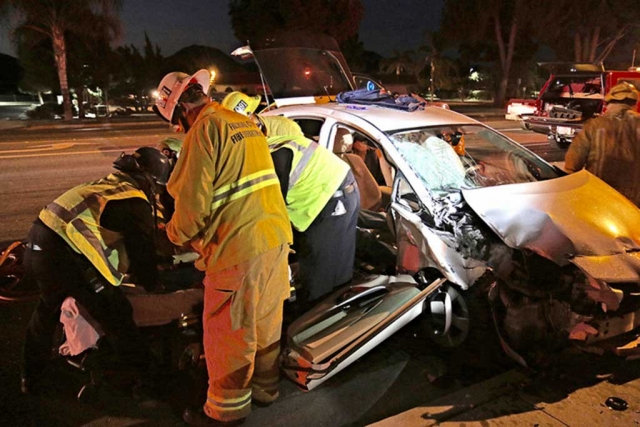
{"x":228,"y":203}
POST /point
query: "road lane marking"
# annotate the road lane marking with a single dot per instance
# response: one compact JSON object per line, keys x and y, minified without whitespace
{"x":41,"y":148}
{"x":533,"y":144}
{"x":108,"y":150}
{"x":78,"y":140}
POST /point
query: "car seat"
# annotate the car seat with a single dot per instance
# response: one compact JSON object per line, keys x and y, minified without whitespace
{"x":370,"y":194}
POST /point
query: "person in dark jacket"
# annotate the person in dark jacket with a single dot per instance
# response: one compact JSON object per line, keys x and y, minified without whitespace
{"x":81,"y":246}
{"x":609,"y":145}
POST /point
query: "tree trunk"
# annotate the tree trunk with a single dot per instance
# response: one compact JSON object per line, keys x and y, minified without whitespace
{"x":595,"y":39}
{"x":586,"y":43}
{"x":506,"y":54}
{"x":60,"y":54}
{"x":106,"y":101}
{"x":80,"y":94}
{"x":433,"y":78}
{"x":502,"y":91}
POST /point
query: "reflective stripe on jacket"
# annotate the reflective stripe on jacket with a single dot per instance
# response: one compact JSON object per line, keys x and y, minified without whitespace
{"x":75,"y":216}
{"x":228,"y":203}
{"x":316,"y":174}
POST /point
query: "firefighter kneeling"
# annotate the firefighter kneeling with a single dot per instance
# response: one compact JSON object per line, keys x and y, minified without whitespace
{"x":82,"y":245}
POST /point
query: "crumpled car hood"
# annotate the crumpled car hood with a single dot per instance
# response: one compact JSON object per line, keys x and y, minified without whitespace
{"x":576,"y":218}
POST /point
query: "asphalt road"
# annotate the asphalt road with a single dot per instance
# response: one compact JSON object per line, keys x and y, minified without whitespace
{"x":402,"y":373}
{"x":38,"y":165}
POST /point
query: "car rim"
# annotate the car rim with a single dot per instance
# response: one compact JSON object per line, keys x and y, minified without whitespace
{"x":448,"y":322}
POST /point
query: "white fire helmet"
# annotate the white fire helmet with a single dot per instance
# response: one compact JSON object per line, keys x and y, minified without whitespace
{"x":173,"y":85}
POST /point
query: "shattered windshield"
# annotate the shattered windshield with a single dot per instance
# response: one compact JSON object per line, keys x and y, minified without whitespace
{"x":448,"y":158}
{"x":297,"y":72}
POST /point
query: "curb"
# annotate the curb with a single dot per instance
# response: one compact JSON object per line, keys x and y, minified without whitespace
{"x":456,"y":404}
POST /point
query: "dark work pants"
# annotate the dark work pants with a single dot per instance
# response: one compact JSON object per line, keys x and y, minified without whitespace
{"x":59,"y":274}
{"x":326,"y":250}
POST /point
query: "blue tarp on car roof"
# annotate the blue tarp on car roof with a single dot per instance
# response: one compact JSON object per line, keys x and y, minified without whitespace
{"x":381,"y":99}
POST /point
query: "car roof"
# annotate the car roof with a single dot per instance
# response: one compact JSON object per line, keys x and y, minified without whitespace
{"x":384,"y":118}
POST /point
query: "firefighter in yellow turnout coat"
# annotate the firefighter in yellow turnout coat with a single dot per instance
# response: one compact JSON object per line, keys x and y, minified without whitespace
{"x":229,"y":208}
{"x":322,"y":198}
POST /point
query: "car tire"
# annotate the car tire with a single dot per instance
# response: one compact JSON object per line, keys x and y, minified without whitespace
{"x":525,"y":125}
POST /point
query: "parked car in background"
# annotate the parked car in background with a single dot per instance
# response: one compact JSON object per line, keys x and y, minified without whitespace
{"x":573,"y":94}
{"x":517,"y":109}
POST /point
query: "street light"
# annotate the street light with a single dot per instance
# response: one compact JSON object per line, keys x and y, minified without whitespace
{"x":212,"y":77}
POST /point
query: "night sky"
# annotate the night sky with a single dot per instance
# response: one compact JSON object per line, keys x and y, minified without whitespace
{"x":388,"y":25}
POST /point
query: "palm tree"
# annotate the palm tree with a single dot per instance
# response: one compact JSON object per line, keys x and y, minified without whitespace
{"x":400,"y":63}
{"x":432,"y":49}
{"x":59,"y":19}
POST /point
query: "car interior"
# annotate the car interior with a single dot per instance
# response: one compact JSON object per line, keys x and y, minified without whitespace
{"x":372,"y":171}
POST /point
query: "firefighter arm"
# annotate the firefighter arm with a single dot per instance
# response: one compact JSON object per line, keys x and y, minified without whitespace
{"x":191,"y":184}
{"x":578,"y":152}
{"x":133,"y":218}
{"x":282,"y":161}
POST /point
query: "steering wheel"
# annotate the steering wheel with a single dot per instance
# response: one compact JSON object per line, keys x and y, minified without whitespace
{"x":519,"y":161}
{"x":533,"y":169}
{"x":474,"y":169}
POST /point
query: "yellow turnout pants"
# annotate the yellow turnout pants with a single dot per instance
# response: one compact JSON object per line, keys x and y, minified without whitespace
{"x":242,"y":325}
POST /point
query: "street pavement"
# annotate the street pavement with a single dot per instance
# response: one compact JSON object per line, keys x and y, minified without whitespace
{"x":577,"y":390}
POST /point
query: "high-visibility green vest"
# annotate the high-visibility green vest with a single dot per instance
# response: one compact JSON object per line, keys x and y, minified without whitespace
{"x":75,"y":216}
{"x":316,"y":174}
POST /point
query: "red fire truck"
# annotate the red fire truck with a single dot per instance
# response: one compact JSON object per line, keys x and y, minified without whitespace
{"x":573,"y":94}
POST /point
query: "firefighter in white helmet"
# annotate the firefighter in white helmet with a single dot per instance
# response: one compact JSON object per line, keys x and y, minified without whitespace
{"x":229,"y":208}
{"x":322,"y":197}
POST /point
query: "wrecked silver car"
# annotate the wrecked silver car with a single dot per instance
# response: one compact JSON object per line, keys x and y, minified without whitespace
{"x":463,"y":213}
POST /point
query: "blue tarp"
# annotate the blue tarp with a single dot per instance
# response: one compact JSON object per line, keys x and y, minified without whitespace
{"x":382,"y":99}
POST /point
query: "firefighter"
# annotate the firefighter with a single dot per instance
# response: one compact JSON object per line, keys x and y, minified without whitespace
{"x":609,"y":145}
{"x":269,"y":125}
{"x":80,"y":246}
{"x":228,"y":207}
{"x":322,"y":198}
{"x":171,"y":147}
